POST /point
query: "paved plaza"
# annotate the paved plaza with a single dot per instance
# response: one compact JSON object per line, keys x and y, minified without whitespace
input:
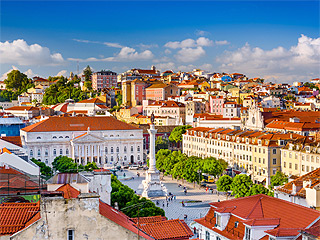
{"x":196,"y":200}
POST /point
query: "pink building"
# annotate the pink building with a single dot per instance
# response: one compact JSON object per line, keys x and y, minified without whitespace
{"x":138,"y":92}
{"x":216,"y":104}
{"x":104,"y":79}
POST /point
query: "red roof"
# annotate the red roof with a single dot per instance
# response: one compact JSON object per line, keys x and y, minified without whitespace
{"x":78,"y":123}
{"x":68,"y":191}
{"x":261,"y":210}
{"x":16,"y":216}
{"x":120,"y":219}
{"x":16,"y":140}
{"x":170,"y":229}
{"x":149,"y":219}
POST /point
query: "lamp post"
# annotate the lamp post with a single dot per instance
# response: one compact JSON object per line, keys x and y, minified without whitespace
{"x":199,"y":171}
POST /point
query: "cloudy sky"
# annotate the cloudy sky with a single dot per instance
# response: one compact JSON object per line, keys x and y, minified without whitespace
{"x":279,"y":41}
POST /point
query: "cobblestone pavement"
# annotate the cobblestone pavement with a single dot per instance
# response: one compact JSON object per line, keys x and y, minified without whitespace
{"x":192,"y":210}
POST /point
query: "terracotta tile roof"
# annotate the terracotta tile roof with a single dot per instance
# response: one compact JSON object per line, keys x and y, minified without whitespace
{"x":78,"y":123}
{"x":261,"y":210}
{"x":151,"y":219}
{"x":120,"y":219}
{"x":16,"y":140}
{"x":22,"y":108}
{"x":170,"y":229}
{"x":314,"y":230}
{"x":92,"y":100}
{"x":16,"y":216}
{"x":304,"y":116}
{"x":68,"y":191}
{"x":157,"y":85}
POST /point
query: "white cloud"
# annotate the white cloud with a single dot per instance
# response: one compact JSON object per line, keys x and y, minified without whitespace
{"x":29,"y":73}
{"x":115,"y":45}
{"x":188,"y":43}
{"x":204,"y":42}
{"x":166,"y":66}
{"x":190,"y":54}
{"x":126,"y":54}
{"x":300,"y":62}
{"x":223,"y":42}
{"x":201,"y":33}
{"x":19,"y":52}
{"x":147,"y":46}
{"x":186,"y":68}
{"x":167,"y":51}
{"x":61,"y":73}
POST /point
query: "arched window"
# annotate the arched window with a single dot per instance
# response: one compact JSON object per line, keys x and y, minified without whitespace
{"x":54,"y":136}
{"x":39,"y":152}
{"x":111,"y":158}
{"x":31,"y":153}
{"x":125,"y":149}
{"x":131,"y":148}
{"x":38,"y":137}
{"x":125,"y":158}
{"x":67,"y":151}
{"x":106,"y":159}
{"x":60,"y":137}
{"x":54,"y":152}
{"x":67,"y":136}
{"x":106,"y":150}
{"x":46,"y":152}
{"x":138,"y":157}
{"x":111,"y":150}
{"x":117,"y":149}
{"x":138,"y":148}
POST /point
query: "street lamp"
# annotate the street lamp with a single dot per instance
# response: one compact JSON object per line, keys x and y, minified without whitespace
{"x":199,"y":171}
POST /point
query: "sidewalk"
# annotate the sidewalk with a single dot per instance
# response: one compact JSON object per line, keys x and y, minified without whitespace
{"x":197,"y":208}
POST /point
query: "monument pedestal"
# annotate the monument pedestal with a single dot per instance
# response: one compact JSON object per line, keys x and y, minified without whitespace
{"x":152,"y":187}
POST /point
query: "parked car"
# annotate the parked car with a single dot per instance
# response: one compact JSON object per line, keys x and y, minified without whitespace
{"x":134,"y":167}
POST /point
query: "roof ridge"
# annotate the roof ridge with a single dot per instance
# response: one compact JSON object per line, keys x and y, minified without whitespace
{"x":254,"y":207}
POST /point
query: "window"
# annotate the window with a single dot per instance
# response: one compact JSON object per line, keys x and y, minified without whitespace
{"x":218,"y":222}
{"x":207,"y":235}
{"x":138,"y":149}
{"x":67,"y":136}
{"x":61,"y":151}
{"x":39,"y":152}
{"x":236,"y":224}
{"x":284,"y":164}
{"x":290,"y":165}
{"x":38,"y":137}
{"x":60,"y":137}
{"x":46,"y":152}
{"x":111,"y":158}
{"x":274,"y":161}
{"x":117,"y":149}
{"x":70,"y":234}
{"x":125,"y":149}
{"x":54,"y":136}
{"x":67,"y":151}
{"x":247,"y":234}
{"x":31,"y":153}
{"x":54,"y":152}
{"x":131,"y":148}
{"x":106,"y":150}
{"x":274,"y":151}
{"x":111,"y":149}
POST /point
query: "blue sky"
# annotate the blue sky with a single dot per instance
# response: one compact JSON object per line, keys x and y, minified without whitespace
{"x":275,"y":40}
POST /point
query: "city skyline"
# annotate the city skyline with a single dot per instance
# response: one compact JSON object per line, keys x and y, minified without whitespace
{"x":278,"y":41}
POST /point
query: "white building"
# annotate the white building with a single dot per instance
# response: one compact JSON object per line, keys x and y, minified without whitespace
{"x":103,"y":140}
{"x":271,"y":102}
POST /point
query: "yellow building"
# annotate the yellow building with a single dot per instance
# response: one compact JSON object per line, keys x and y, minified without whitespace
{"x":299,"y":158}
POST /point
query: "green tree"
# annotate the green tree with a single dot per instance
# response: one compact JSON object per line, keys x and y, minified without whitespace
{"x":126,"y":198}
{"x":161,"y":143}
{"x":64,"y":164}
{"x":278,"y":179}
{"x":17,"y":81}
{"x":176,"y":134}
{"x":190,"y":169}
{"x":172,"y":159}
{"x":224,"y":183}
{"x":212,"y":166}
{"x":259,"y":189}
{"x":87,"y":73}
{"x":90,"y":166}
{"x":44,"y":169}
{"x":119,"y":99}
{"x":240,"y":185}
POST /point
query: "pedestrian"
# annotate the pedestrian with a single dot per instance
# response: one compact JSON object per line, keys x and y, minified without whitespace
{"x":167,"y":204}
{"x":174,"y":197}
{"x":163,"y":204}
{"x":185,"y":192}
{"x":185,"y":217}
{"x":182,"y":204}
{"x":166,"y":198}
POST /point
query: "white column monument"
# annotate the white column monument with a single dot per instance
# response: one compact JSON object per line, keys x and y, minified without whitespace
{"x":152,"y":187}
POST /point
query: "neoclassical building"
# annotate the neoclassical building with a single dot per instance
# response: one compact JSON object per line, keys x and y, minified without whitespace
{"x":103,"y":140}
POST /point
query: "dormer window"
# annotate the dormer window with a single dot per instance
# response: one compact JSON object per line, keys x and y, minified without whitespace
{"x":308,"y":149}
{"x":247,"y":235}
{"x":236,"y":224}
{"x":38,"y":137}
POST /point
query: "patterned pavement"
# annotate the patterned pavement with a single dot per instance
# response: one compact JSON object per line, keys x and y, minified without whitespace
{"x":196,"y":209}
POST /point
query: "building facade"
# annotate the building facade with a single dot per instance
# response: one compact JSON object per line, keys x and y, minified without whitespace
{"x":103,"y":140}
{"x":103,"y":79}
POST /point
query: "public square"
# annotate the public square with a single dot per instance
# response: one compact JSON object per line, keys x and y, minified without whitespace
{"x":196,"y":200}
